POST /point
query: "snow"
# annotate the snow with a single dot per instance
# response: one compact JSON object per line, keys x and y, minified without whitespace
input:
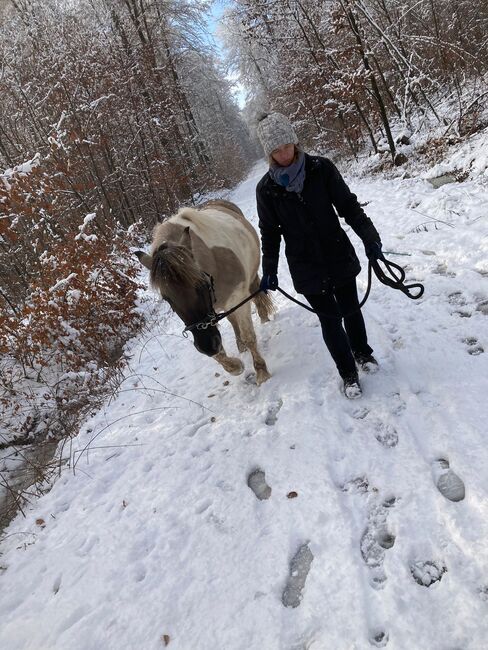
{"x":61,"y":284}
{"x":470,"y":156}
{"x":86,"y":221}
{"x":20,"y":170}
{"x":153,"y":529}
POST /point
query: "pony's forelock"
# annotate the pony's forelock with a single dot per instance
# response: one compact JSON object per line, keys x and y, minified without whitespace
{"x":174,"y":265}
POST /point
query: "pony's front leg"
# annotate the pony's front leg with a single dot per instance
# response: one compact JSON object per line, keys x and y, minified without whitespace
{"x":230,"y":364}
{"x":248,"y":335}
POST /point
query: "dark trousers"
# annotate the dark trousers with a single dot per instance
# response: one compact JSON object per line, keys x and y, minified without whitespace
{"x":343,"y":342}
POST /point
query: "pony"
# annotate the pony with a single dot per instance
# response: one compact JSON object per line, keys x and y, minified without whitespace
{"x":206,"y":259}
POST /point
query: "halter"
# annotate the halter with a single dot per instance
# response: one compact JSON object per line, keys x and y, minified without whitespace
{"x":211,"y":319}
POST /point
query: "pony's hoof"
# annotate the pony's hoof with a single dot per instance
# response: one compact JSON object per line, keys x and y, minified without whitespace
{"x":235,"y":367}
{"x":262,"y":376}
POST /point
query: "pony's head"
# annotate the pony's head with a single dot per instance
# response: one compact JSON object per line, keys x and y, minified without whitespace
{"x":186,"y":288}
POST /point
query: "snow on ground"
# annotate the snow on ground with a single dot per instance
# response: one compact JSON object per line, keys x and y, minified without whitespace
{"x":157,"y":539}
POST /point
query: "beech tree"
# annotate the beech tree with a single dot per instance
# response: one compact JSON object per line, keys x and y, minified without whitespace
{"x":113,"y":113}
{"x":353,"y":72}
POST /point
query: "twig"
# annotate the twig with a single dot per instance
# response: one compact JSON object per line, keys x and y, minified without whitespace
{"x":161,"y":408}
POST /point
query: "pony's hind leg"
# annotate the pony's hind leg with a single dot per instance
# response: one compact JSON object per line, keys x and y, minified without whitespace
{"x":230,"y":364}
{"x":248,"y":335}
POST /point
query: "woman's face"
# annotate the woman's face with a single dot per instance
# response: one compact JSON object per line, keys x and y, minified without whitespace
{"x":284,"y":155}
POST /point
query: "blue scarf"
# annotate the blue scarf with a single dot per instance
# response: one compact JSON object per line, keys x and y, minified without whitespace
{"x":291,"y":177}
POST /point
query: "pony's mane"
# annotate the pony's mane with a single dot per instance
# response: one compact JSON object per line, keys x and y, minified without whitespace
{"x":174,"y":265}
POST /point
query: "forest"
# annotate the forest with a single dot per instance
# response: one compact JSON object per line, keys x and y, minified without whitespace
{"x":113,"y":113}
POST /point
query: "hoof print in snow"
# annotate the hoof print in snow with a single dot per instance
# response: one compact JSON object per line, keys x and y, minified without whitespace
{"x":251,"y":379}
{"x":456,"y":298}
{"x":272,"y":414}
{"x":396,"y":403}
{"x":389,"y":503}
{"x":378,"y":579}
{"x":385,"y":539}
{"x":473,"y":346}
{"x":426,"y":573}
{"x":360,"y":413}
{"x":299,"y":569}
{"x":379,"y":639}
{"x":483,"y":593}
{"x":257,"y":482}
{"x":386,"y":434}
{"x":441,"y":269}
{"x":483,"y":307}
{"x":359,"y":485}
{"x":447,"y":482}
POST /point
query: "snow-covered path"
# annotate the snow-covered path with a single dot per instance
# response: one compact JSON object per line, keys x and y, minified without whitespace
{"x":157,"y":539}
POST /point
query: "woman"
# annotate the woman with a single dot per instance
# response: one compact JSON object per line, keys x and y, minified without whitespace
{"x":300,"y":198}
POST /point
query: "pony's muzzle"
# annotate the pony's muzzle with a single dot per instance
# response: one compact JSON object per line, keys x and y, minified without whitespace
{"x":210,"y":344}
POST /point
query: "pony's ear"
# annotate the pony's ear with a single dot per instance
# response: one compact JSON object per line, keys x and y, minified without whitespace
{"x":186,"y":239}
{"x":144,"y":259}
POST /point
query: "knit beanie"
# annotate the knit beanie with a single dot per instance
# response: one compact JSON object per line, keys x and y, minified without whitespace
{"x":274,"y":131}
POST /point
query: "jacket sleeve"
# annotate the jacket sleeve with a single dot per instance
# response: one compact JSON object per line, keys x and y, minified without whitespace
{"x":347,"y":206}
{"x":270,"y":234}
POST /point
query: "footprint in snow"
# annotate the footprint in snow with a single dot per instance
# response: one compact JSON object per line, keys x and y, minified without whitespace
{"x":360,"y":413}
{"x":427,"y":573}
{"x":483,"y":592}
{"x":441,"y":269}
{"x":456,"y":298}
{"x":379,"y":639}
{"x":385,"y":434}
{"x":447,"y":481}
{"x":272,"y":414}
{"x":375,"y":541}
{"x":359,"y":485}
{"x":299,"y":570}
{"x":257,"y":482}
{"x":483,"y":307}
{"x":473,"y":346}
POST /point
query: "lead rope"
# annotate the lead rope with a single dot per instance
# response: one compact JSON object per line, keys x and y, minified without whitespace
{"x":395,"y":282}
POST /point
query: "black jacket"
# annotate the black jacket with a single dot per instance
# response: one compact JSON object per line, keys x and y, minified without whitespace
{"x":318,"y":250}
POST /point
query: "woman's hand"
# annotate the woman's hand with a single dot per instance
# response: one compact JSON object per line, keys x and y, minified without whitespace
{"x":373,"y":251}
{"x":269,"y":283}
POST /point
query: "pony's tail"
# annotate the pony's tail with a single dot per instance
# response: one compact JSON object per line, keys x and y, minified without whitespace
{"x":263,"y":301}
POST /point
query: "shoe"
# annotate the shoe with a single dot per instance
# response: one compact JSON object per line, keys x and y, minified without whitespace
{"x":367,"y":363}
{"x":352,"y":387}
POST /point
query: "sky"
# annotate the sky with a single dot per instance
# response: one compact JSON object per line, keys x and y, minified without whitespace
{"x":217,"y":10}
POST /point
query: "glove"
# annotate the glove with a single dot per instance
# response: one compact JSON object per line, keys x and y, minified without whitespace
{"x":269,"y":282}
{"x":373,"y":251}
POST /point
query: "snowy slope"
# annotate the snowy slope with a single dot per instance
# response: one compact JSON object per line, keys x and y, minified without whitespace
{"x":157,"y":532}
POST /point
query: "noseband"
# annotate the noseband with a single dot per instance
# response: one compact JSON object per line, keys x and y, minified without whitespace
{"x":212,"y":318}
